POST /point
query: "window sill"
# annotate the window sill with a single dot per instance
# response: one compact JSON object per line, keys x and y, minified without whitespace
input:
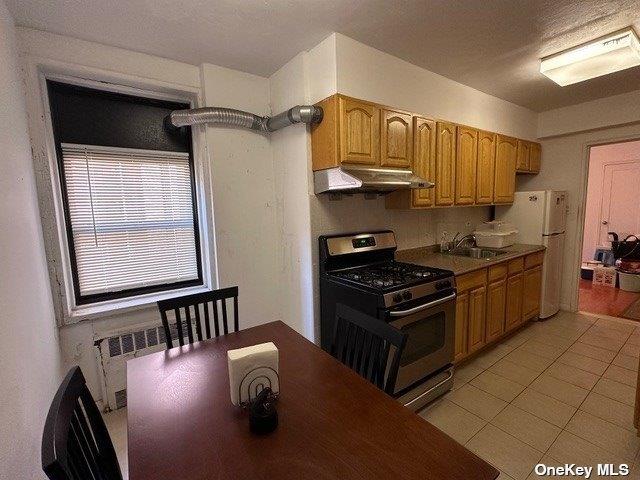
{"x":119,"y":306}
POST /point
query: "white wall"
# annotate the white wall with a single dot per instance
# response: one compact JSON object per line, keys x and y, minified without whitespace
{"x":565,"y":167}
{"x":30,"y":369}
{"x":606,"y":112}
{"x":244,"y":200}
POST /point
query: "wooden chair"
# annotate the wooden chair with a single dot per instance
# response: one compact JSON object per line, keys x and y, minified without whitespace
{"x":75,"y":443}
{"x":363,"y":343}
{"x":193,"y":326}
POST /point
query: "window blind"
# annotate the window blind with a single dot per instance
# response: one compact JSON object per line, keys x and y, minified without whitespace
{"x":132,"y":217}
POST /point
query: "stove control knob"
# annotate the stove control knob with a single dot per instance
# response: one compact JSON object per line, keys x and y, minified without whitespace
{"x":397,"y":298}
{"x":407,"y":295}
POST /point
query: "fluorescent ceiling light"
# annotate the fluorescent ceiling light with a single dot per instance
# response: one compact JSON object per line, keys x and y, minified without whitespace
{"x":612,"y":53}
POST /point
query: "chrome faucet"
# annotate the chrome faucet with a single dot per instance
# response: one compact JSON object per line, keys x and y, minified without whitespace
{"x":468,"y":237}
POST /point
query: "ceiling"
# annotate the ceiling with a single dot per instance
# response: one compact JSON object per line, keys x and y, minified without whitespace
{"x":491,"y":45}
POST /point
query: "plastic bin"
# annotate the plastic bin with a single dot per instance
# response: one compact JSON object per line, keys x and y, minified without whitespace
{"x":629,"y":282}
{"x":496,"y":234}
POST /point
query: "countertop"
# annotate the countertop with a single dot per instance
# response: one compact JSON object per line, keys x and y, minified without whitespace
{"x":430,"y":257}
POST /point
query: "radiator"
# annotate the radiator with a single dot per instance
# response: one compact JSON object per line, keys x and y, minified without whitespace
{"x":113,"y":349}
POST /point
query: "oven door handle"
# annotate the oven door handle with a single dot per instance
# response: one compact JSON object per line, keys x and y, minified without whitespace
{"x":419,"y":308}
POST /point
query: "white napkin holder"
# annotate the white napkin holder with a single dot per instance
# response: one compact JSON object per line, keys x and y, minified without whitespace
{"x":251,"y":369}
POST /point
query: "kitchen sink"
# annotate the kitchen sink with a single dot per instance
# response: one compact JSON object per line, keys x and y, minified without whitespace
{"x":477,"y":252}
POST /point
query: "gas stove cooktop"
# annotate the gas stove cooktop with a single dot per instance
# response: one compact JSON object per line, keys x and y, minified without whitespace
{"x":390,"y":274}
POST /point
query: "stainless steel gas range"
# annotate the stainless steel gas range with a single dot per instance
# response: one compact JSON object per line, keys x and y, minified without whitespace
{"x":359,"y":270}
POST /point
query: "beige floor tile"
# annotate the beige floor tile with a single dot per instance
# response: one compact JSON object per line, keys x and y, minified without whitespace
{"x":616,"y":390}
{"x":634,"y":339}
{"x":504,"y":476}
{"x":570,"y":333}
{"x":514,"y":372}
{"x":559,"y":389}
{"x":478,"y":402}
{"x":610,"y":410}
{"x":116,"y":423}
{"x":529,"y":360}
{"x":622,"y":375}
{"x":573,"y":375}
{"x":631,"y":350}
{"x":519,"y":338}
{"x":498,"y":386}
{"x":551,"y":339}
{"x":622,"y":325}
{"x":526,"y":427}
{"x":626,"y":361}
{"x":542,"y":349}
{"x":610,"y":333}
{"x":569,"y":448}
{"x":598,"y":353}
{"x":505,"y":452}
{"x":453,"y":420}
{"x":601,"y":341}
{"x":606,"y":435}
{"x":465,"y":373}
{"x":545,"y":407}
{"x":583,"y":363}
{"x":492,"y":355}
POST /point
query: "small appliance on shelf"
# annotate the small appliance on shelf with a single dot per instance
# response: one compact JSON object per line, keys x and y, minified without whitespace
{"x":496,"y":234}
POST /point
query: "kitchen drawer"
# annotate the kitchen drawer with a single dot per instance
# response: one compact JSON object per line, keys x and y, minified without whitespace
{"x":471,"y":280}
{"x":498,"y":272}
{"x":533,"y":260}
{"x":516,"y":266}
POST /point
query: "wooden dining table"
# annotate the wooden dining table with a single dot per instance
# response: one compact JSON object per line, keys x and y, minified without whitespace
{"x":333,"y":424}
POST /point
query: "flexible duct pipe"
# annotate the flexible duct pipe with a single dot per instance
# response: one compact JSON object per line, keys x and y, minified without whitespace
{"x":231,"y":117}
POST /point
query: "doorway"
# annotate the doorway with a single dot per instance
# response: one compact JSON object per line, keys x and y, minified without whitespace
{"x":612,"y":205}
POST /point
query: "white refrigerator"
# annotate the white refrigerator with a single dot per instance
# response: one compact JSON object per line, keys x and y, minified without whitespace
{"x":541,"y":218}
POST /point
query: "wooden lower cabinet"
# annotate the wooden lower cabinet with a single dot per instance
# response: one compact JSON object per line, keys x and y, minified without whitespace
{"x":532,"y":284}
{"x":462,"y":316}
{"x":494,"y":301}
{"x":496,"y":304}
{"x":513,"y":310}
{"x":477,"y":322}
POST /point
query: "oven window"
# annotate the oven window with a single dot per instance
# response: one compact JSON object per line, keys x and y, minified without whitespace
{"x":425,"y":337}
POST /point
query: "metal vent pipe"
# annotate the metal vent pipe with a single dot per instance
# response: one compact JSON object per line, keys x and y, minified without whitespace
{"x":237,"y":118}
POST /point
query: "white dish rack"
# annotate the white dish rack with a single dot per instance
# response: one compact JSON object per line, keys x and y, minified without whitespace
{"x":496,"y":234}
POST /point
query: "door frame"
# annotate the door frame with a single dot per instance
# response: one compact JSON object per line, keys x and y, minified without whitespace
{"x":582,"y":205}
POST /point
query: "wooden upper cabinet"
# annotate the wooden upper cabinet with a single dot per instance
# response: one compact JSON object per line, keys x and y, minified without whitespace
{"x":445,"y":178}
{"x":424,"y":159}
{"x":466,"y":163}
{"x":485,"y":170}
{"x":359,"y":132}
{"x":522,"y":162}
{"x":396,"y":139}
{"x":535,"y":155}
{"x":505,"y":169}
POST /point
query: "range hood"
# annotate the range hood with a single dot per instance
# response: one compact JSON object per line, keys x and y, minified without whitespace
{"x":365,"y":179}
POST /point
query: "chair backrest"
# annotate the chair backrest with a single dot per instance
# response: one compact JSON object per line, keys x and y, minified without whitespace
{"x":187,"y":313}
{"x":76,"y":443}
{"x":363,"y":343}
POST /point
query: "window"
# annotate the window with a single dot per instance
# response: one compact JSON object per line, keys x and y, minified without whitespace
{"x":129,"y":194}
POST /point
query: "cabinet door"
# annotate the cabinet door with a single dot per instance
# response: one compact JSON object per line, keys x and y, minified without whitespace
{"x":424,"y":158}
{"x":466,"y":162}
{"x":513,"y":310}
{"x":477,"y":321}
{"x":485,"y":169}
{"x":531,"y":293}
{"x":535,"y":155}
{"x":359,"y":132}
{"x":462,"y":321}
{"x":445,"y":163}
{"x":496,"y":304}
{"x":396,"y":140}
{"x":522,"y":162}
{"x":505,"y":176}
